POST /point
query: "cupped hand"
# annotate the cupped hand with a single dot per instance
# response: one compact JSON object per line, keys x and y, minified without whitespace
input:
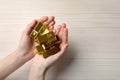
{"x":44,"y":63}
{"x":26,"y":45}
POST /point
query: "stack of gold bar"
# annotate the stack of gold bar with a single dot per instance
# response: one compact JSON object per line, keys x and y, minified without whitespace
{"x":48,"y":42}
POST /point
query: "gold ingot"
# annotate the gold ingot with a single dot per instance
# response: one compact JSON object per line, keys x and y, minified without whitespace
{"x":39,"y":49}
{"x":53,"y":50}
{"x":46,"y":37}
{"x":36,"y":31}
{"x":48,"y":42}
{"x":46,"y":53}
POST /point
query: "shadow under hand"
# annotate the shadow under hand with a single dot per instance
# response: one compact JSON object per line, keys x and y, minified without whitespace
{"x":63,"y":63}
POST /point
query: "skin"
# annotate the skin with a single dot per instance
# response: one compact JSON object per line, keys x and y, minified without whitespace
{"x":25,"y":52}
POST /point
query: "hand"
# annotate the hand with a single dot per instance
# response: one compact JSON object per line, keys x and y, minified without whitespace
{"x":43,"y":63}
{"x":26,"y":45}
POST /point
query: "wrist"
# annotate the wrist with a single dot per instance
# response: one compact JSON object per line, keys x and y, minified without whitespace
{"x":37,"y":73}
{"x":41,"y":69}
{"x":20,"y":54}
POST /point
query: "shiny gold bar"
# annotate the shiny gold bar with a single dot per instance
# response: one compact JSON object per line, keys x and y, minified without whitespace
{"x":48,"y":42}
{"x":44,"y":30}
{"x":46,"y":37}
{"x":51,"y":51}
{"x":39,"y":49}
{"x":36,"y":31}
{"x":47,"y":53}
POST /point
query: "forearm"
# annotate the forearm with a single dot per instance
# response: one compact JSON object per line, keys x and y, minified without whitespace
{"x":11,"y":63}
{"x":37,"y":73}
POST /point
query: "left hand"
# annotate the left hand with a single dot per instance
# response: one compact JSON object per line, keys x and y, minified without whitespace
{"x":26,"y":45}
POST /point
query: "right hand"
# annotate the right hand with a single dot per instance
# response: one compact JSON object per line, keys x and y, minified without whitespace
{"x":42,"y":64}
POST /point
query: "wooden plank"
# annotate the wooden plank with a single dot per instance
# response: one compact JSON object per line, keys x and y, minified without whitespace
{"x":94,"y":36}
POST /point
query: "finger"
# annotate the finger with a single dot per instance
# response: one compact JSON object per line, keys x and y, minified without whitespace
{"x":50,"y":19}
{"x":54,"y":30}
{"x":65,"y":36}
{"x":30,"y":27}
{"x":64,"y":25}
{"x":51,"y":24}
{"x":43,"y":19}
{"x":58,"y":30}
{"x":51,"y":27}
{"x":61,"y":31}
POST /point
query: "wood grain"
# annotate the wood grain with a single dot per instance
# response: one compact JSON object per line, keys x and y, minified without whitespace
{"x":94,"y":36}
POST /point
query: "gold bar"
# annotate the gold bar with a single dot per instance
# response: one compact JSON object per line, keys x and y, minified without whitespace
{"x":36,"y":31}
{"x":51,"y":51}
{"x":39,"y":49}
{"x":48,"y":42}
{"x":44,"y":38}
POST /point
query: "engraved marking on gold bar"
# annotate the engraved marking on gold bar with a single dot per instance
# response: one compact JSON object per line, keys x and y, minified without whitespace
{"x":36,"y":31}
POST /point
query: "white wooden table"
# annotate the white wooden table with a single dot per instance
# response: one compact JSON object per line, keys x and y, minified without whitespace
{"x":94,"y":36}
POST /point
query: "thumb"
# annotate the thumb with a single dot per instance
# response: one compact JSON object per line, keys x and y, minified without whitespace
{"x":30,"y":27}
